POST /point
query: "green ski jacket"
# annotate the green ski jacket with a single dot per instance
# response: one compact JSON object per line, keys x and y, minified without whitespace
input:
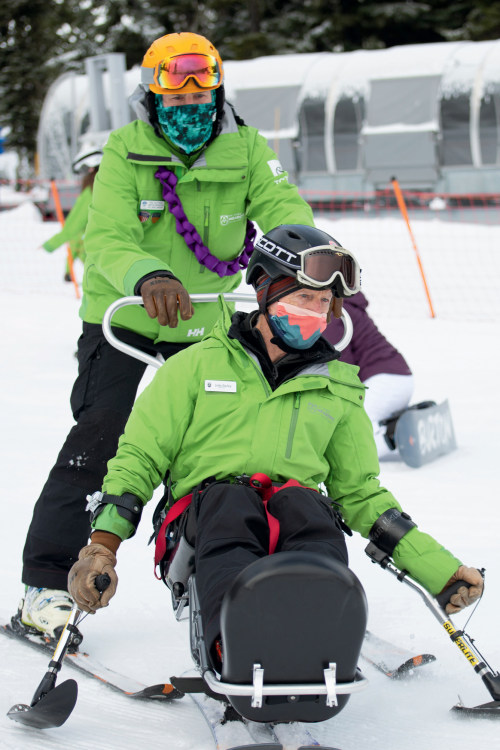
{"x":209,"y":411}
{"x":131,"y":232}
{"x":74,"y":226}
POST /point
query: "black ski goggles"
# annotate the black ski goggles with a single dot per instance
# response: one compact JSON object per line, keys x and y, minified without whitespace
{"x":323,"y":266}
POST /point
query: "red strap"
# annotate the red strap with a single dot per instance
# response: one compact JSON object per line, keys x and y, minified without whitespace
{"x":259,"y":482}
{"x":264,"y":486}
{"x":274,"y":529}
{"x":161,"y":540}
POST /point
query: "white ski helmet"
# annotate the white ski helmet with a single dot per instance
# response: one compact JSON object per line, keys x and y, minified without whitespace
{"x":87,"y":158}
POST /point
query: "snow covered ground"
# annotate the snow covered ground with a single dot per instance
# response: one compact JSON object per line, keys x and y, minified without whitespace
{"x":455,"y":499}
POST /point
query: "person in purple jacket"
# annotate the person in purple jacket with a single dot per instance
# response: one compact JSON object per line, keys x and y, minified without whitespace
{"x":382,"y":368}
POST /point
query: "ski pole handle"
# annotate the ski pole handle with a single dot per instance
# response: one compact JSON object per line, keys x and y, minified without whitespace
{"x":444,"y":597}
{"x":102,"y":582}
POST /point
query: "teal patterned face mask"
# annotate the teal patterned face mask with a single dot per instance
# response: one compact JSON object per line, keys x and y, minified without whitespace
{"x":188,"y":126}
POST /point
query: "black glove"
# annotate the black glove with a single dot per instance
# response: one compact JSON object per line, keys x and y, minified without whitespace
{"x":162,"y":297}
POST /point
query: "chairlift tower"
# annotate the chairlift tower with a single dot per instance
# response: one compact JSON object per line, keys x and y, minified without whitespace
{"x":108,"y":108}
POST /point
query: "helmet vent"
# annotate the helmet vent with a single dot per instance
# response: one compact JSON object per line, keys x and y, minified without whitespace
{"x":293,"y":236}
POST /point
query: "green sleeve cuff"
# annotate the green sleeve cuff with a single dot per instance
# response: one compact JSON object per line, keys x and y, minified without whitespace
{"x":426,"y":560}
{"x":110,"y":520}
{"x":52,"y":244}
{"x":140,"y":269}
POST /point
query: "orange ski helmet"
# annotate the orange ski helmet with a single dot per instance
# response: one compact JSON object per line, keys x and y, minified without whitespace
{"x":182,"y":63}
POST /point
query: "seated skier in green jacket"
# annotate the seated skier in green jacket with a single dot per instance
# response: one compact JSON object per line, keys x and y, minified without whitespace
{"x":262,"y":393}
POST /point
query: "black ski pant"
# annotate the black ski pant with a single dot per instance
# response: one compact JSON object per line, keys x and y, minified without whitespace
{"x":101,"y":400}
{"x":233,"y":531}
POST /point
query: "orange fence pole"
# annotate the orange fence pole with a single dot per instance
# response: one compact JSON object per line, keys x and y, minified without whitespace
{"x":402,"y":207}
{"x":60,"y":218}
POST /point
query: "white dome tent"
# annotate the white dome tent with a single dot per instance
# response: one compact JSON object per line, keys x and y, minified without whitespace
{"x":80,"y":109}
{"x":426,"y":113}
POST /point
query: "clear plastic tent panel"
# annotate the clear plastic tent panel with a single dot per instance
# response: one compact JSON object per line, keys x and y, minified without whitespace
{"x":268,"y":109}
{"x":347,"y":122}
{"x":312,"y":135}
{"x":411,"y":101}
{"x":455,"y":143}
{"x":489,"y":128}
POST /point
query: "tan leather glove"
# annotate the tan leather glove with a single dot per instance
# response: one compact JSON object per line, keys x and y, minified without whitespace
{"x":464,"y":597}
{"x":93,"y":560}
{"x":162,"y":298}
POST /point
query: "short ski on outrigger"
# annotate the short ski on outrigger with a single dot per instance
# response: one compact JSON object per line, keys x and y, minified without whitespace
{"x":465,"y":643}
{"x":86,"y":664}
{"x":52,"y":704}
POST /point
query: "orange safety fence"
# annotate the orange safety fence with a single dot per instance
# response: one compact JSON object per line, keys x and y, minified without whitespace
{"x":458,"y":240}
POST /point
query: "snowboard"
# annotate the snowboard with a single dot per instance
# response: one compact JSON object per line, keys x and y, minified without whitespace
{"x":424,"y":432}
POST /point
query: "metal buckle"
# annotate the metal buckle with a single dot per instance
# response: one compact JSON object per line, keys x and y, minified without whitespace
{"x":94,"y":501}
{"x":243,"y":479}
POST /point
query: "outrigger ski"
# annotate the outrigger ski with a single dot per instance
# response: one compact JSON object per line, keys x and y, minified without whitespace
{"x":51,"y":706}
{"x":490,"y":710}
{"x":86,"y":664}
{"x":466,"y":645}
{"x":51,"y":710}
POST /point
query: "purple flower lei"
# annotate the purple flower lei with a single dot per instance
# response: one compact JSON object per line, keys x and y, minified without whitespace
{"x":191,"y":237}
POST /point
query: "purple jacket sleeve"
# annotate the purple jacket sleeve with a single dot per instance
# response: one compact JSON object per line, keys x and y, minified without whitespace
{"x":369,"y":349}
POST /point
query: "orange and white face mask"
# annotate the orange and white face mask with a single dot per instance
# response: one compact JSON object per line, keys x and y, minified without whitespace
{"x":296,"y":326}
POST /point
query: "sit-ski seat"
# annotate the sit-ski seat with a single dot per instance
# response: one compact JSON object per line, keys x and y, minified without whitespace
{"x":292,"y":615}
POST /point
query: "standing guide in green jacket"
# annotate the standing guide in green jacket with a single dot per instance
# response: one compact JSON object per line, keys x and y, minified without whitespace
{"x":262,"y":393}
{"x":86,"y":163}
{"x":170,"y":216}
